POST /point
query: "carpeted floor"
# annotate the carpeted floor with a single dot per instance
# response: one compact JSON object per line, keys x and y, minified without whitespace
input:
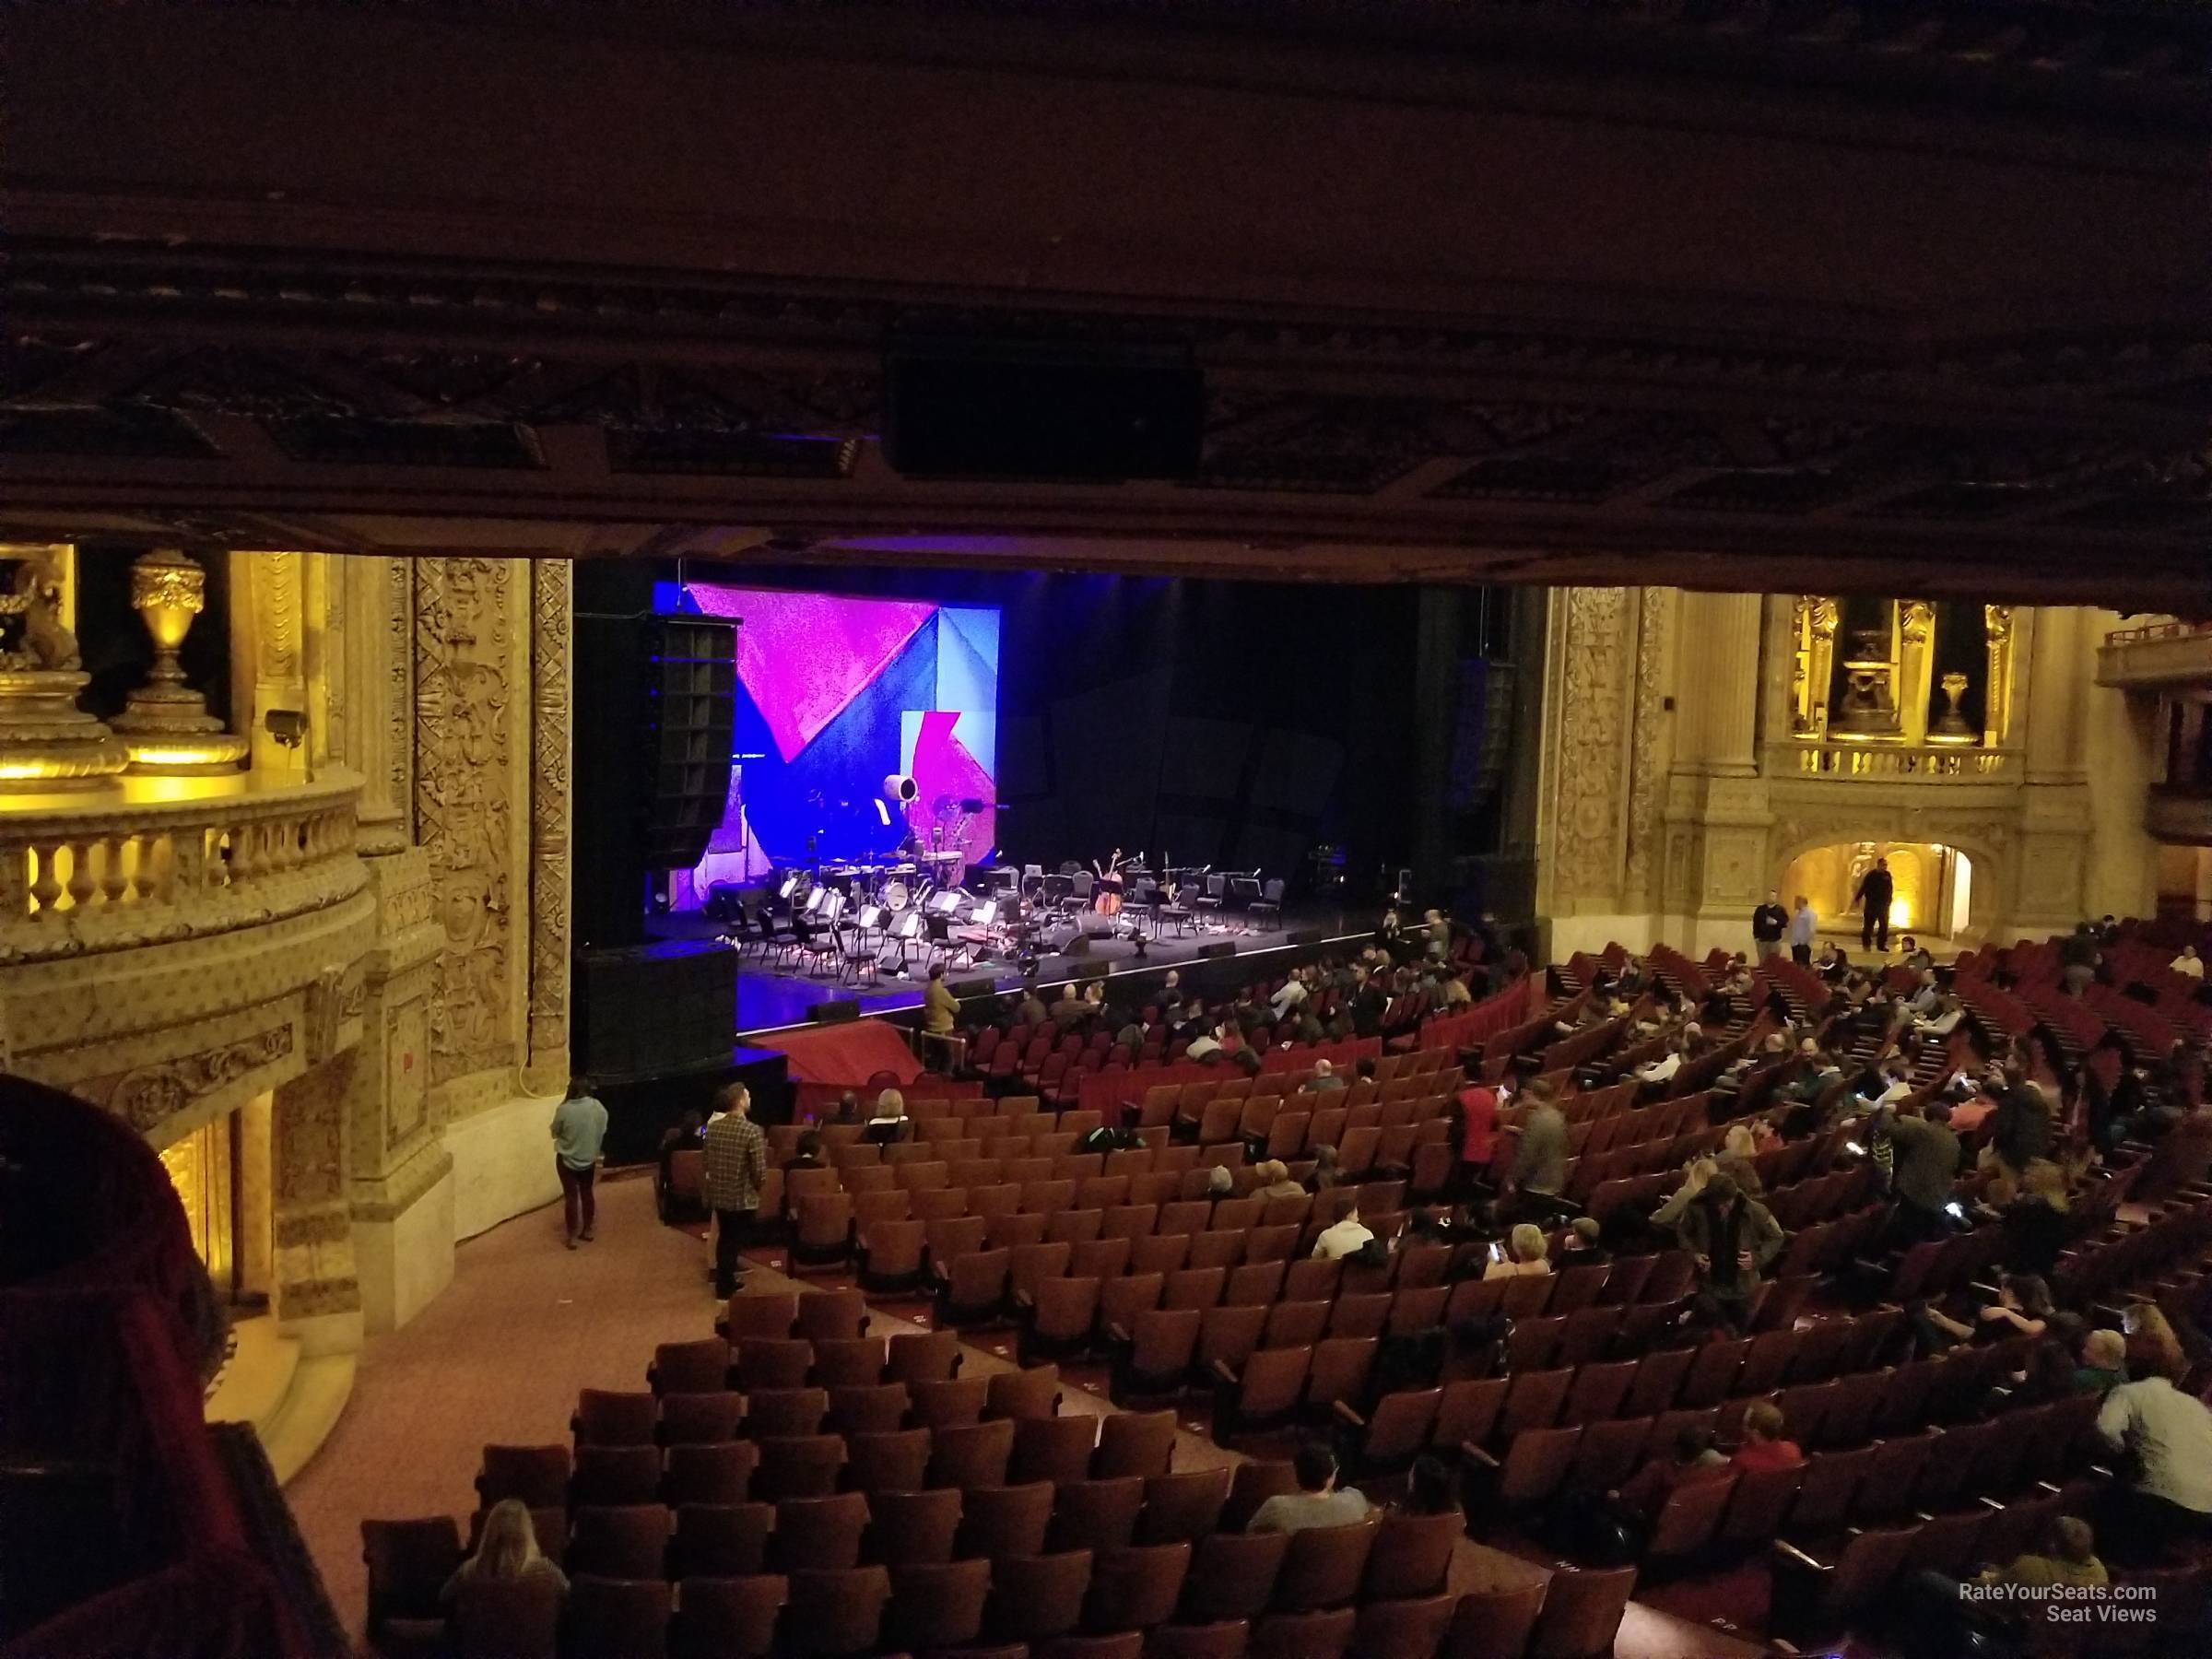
{"x":499,"y":1357}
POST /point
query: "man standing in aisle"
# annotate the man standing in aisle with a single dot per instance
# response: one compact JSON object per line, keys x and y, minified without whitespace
{"x":736,"y":1166}
{"x":579,"y":1127}
{"x":1804,"y":925}
{"x":1875,"y":889}
{"x":1768,"y":922}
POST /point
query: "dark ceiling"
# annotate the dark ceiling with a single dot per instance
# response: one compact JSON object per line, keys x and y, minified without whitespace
{"x":1893,"y":299}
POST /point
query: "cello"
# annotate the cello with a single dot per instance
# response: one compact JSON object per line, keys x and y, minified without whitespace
{"x":1106,"y":898}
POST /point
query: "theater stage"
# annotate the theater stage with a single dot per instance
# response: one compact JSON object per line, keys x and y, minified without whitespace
{"x":770,"y":1000}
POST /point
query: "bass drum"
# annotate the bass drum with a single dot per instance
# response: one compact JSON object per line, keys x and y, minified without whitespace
{"x":895,"y":894}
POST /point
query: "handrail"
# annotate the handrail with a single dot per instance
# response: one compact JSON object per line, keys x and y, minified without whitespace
{"x":2157,"y":630}
{"x":157,"y":860}
{"x":1829,"y":758}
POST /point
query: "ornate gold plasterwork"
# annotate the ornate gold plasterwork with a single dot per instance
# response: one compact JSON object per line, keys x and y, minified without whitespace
{"x":1594,"y":649}
{"x":550,"y":606}
{"x":1997,"y":693}
{"x":152,"y":1095}
{"x":465,"y":617}
{"x":1647,"y":738}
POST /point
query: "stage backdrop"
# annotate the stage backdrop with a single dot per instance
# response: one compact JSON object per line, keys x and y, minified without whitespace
{"x":834,"y":694}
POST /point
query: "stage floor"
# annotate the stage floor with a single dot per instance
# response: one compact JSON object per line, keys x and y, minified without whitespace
{"x":770,"y":1001}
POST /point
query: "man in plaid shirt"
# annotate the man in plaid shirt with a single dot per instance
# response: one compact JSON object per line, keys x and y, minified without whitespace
{"x":735,"y":1158}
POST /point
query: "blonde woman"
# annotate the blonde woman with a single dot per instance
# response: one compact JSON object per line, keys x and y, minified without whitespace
{"x":506,"y":1552}
{"x":1524,"y":1254}
{"x":1695,"y":1174}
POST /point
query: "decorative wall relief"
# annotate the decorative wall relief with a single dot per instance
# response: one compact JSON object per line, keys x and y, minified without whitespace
{"x":1595,"y":649}
{"x":151,"y":1095}
{"x":309,"y":1134}
{"x":550,"y":608}
{"x":465,"y":617}
{"x":1648,"y":744}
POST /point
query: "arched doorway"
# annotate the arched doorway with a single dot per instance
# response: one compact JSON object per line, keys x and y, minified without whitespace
{"x":1932,"y":883}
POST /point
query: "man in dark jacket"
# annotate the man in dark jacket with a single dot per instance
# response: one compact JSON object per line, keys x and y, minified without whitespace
{"x":1733,"y":1238}
{"x":1768,"y":923}
{"x":1875,"y":889}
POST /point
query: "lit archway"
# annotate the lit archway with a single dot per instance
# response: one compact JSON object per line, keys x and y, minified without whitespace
{"x":1932,"y":884}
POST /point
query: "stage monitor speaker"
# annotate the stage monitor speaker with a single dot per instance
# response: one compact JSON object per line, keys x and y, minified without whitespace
{"x":834,"y":1012}
{"x":648,"y":1011}
{"x":1306,"y":935}
{"x":967,"y":989}
{"x":984,"y":407}
{"x":1223,"y":950}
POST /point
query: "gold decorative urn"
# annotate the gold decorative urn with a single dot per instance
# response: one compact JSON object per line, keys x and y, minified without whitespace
{"x":165,"y":723}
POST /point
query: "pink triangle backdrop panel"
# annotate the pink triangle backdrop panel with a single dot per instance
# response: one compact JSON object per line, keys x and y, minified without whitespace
{"x":941,"y":765}
{"x":804,"y":656}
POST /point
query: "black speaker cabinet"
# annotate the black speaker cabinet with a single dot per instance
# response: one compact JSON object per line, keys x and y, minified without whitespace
{"x":1306,"y":935}
{"x":967,"y":989}
{"x":832,"y":1012}
{"x":648,"y":1011}
{"x":691,"y":677}
{"x":1225,"y":948}
{"x":655,"y":710}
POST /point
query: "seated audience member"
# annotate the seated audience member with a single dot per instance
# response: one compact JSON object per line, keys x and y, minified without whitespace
{"x":1524,"y":1254}
{"x":848,"y":1109}
{"x":1206,"y":1045}
{"x":809,"y":1155}
{"x":2066,"y":1554}
{"x":1763,"y":1446}
{"x":2022,"y":1309}
{"x":507,"y":1553}
{"x":1318,"y":1501}
{"x":1662,"y":1070}
{"x":1432,"y":1489}
{"x":1290,"y":995}
{"x":1738,"y":1148}
{"x":1938,"y":1621}
{"x":1326,"y":1172}
{"x":1325,"y":1078}
{"x":1581,"y":1247}
{"x":2152,"y":1343}
{"x":1344,"y":1239}
{"x":1032,"y":1011}
{"x":2103,"y":1364}
{"x":888,"y":1123}
{"x":1276,"y":1182}
{"x":1693,"y":1461}
{"x":2165,"y":1497}
{"x":1942,"y":1019}
{"x":1220,"y":1184}
{"x":2188,"y":963}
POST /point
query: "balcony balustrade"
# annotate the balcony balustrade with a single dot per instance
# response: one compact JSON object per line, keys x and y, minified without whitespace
{"x":155,"y":859}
